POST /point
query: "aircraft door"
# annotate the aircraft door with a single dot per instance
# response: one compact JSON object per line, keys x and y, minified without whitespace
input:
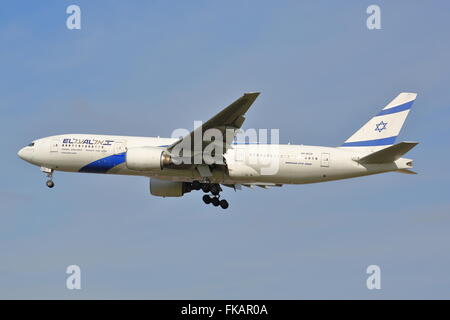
{"x":54,"y":146}
{"x":119,"y":147}
{"x":239,"y":154}
{"x":325,"y":159}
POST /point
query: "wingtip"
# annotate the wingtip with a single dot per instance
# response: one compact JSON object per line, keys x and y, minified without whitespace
{"x":406,"y":171}
{"x":412,"y":142}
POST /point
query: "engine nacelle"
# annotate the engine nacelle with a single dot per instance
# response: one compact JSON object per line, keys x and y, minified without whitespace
{"x":147,"y":158}
{"x":164,"y":188}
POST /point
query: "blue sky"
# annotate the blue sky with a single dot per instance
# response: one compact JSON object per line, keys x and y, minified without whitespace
{"x":147,"y":67}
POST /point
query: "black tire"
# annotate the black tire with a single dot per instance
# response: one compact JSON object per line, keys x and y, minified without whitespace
{"x":215,"y":201}
{"x":223,"y":204}
{"x":206,"y":199}
{"x":50,"y":183}
{"x":187,"y":187}
{"x":205,"y":188}
{"x":196,"y":185}
{"x":215,"y":190}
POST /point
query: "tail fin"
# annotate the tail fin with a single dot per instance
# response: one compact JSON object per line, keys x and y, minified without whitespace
{"x":382,"y":130}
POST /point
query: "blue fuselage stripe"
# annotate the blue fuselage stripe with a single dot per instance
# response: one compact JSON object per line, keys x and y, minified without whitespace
{"x":400,"y":108}
{"x":367,"y":143}
{"x":104,"y":164}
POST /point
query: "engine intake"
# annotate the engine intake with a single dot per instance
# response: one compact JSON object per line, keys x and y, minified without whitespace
{"x":147,"y":158}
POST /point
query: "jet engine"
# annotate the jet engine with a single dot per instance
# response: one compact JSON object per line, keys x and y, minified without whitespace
{"x":164,"y":188}
{"x":147,"y":158}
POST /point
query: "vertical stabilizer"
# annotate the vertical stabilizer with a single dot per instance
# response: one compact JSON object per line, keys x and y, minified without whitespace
{"x":382,"y":130}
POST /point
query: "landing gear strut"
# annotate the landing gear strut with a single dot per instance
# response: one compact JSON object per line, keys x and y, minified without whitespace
{"x":49,"y":173}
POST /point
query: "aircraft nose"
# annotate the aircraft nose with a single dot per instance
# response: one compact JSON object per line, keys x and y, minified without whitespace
{"x":25,"y":154}
{"x":21,"y":153}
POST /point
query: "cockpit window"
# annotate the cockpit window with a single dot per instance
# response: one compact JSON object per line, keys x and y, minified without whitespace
{"x":31,"y":144}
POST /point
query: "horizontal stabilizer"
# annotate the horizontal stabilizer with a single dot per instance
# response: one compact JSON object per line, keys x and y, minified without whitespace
{"x":389,"y":154}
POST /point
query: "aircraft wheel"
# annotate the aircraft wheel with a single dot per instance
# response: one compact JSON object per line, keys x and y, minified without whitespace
{"x":223,"y":204}
{"x":215,"y":190}
{"x":215,"y":201}
{"x":50,"y":183}
{"x":205,"y":188}
{"x":207,"y":199}
{"x":196,"y":185}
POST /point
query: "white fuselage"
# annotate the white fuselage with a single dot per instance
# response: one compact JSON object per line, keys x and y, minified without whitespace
{"x":247,"y":163}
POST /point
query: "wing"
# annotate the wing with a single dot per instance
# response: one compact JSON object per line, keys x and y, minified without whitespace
{"x":226,"y":122}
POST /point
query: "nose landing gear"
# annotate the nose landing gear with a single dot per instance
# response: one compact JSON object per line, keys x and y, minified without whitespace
{"x":49,"y":173}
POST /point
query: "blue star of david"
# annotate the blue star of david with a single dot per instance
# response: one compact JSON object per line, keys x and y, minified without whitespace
{"x":380,"y":126}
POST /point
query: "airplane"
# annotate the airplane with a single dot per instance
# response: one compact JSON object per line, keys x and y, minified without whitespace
{"x":370,"y":150}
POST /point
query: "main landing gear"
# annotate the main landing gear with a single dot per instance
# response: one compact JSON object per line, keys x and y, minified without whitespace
{"x":215,"y":201}
{"x":212,"y":188}
{"x":49,"y":173}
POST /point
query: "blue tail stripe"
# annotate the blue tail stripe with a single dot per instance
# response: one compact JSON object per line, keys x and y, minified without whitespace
{"x":367,"y":143}
{"x":104,"y":164}
{"x":400,"y":108}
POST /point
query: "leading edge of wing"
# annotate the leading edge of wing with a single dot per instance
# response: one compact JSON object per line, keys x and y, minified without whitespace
{"x":231,"y":116}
